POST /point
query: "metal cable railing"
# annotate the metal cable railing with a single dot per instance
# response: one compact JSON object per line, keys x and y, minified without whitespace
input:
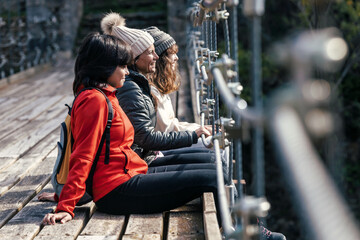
{"x":323,"y":210}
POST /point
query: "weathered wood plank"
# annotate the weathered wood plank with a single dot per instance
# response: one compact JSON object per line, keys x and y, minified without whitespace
{"x":69,"y":230}
{"x":58,"y":83}
{"x":142,"y":237}
{"x":18,"y":196}
{"x":20,"y":76}
{"x":60,"y":107}
{"x":103,"y":226}
{"x":192,"y":206}
{"x":45,"y":84}
{"x":185,"y":225}
{"x":14,"y":173}
{"x":43,"y":112}
{"x":208,"y":202}
{"x":35,"y":86}
{"x":26,"y":224}
{"x":6,"y":161}
{"x":149,"y":226}
{"x":25,"y":107}
{"x":21,"y":140}
{"x":15,"y":141}
{"x":8,"y":103}
{"x":96,"y":238}
{"x":40,"y":105}
{"x":211,"y":226}
{"x":16,"y":88}
{"x":13,"y":105}
{"x":25,"y":99}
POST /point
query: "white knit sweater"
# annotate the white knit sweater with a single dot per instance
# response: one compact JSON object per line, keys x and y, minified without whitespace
{"x":165,"y":116}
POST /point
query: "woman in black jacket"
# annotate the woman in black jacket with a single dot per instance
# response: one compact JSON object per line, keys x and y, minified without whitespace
{"x":136,"y":100}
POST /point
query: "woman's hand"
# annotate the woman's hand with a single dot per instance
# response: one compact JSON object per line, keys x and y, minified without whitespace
{"x":209,"y":128}
{"x":52,"y":218}
{"x":202,"y":130}
{"x":46,"y":196}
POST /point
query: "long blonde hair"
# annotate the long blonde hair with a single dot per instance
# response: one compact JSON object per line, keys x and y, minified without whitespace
{"x":165,"y":78}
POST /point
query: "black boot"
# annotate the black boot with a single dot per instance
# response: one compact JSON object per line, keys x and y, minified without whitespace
{"x":266,"y":234}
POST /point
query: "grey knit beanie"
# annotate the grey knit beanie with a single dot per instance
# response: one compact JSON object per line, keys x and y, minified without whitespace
{"x":139,"y":40}
{"x":162,"y":40}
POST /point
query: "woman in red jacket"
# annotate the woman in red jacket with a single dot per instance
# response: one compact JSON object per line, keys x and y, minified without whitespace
{"x":124,"y":184}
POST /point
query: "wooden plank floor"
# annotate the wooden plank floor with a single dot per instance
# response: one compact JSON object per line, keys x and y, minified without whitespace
{"x":30,"y":114}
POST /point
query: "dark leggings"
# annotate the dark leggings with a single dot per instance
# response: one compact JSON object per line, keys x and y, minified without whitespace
{"x":187,"y":150}
{"x":163,"y":188}
{"x":174,"y":157}
{"x":189,"y":156}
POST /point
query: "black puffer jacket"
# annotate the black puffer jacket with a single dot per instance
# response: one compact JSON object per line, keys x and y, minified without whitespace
{"x":136,"y":101}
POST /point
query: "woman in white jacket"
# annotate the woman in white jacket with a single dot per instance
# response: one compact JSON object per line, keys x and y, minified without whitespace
{"x":166,"y":80}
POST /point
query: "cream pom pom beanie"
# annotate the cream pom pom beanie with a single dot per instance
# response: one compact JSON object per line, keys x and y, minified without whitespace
{"x":139,"y":40}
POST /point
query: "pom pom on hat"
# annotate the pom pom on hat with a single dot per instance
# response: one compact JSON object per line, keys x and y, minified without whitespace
{"x":162,"y":40}
{"x":111,"y":20}
{"x":138,"y":40}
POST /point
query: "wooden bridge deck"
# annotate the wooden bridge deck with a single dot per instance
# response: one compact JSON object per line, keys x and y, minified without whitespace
{"x":30,"y":114}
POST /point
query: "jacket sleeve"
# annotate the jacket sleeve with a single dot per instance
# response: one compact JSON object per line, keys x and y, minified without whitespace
{"x":131,"y":100}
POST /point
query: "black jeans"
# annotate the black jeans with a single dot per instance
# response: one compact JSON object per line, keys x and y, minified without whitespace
{"x":190,"y":155}
{"x":162,"y":188}
{"x":187,"y":150}
{"x":184,"y":156}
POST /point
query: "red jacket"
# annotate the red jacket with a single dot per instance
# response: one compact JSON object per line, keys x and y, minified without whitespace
{"x":88,"y":121}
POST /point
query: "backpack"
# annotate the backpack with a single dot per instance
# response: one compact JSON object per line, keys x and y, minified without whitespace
{"x":61,"y":167}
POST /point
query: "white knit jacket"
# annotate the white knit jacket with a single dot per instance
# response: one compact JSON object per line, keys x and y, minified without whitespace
{"x":165,"y":116}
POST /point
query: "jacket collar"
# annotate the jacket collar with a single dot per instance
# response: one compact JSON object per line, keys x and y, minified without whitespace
{"x":109,"y":88}
{"x":105,"y":89}
{"x":139,"y":79}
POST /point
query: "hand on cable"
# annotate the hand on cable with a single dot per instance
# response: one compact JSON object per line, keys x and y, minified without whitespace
{"x":209,"y":128}
{"x":202,"y":130}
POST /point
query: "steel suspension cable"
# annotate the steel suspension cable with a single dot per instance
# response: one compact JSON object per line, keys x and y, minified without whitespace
{"x":234,"y":55}
{"x":229,"y":113}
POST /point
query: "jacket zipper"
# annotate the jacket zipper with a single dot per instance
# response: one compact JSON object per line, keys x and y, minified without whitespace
{"x":126,"y":161}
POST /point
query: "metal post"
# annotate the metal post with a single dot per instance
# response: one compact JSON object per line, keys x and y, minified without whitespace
{"x":216,"y":95}
{"x":234,"y":55}
{"x":254,"y":10}
{"x":256,"y":83}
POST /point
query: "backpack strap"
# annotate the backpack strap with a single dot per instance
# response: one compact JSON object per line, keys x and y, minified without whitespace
{"x":105,"y":136}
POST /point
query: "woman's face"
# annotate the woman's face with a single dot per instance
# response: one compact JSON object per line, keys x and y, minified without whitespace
{"x":173,"y":60}
{"x":117,"y":79}
{"x":146,"y":62}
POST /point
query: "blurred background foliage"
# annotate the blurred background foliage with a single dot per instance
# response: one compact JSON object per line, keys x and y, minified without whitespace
{"x":285,"y":18}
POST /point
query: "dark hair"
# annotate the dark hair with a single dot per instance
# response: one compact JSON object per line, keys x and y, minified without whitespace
{"x":165,"y":79}
{"x":97,"y":59}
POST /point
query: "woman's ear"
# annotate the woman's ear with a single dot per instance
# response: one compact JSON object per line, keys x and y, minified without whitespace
{"x":134,"y":62}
